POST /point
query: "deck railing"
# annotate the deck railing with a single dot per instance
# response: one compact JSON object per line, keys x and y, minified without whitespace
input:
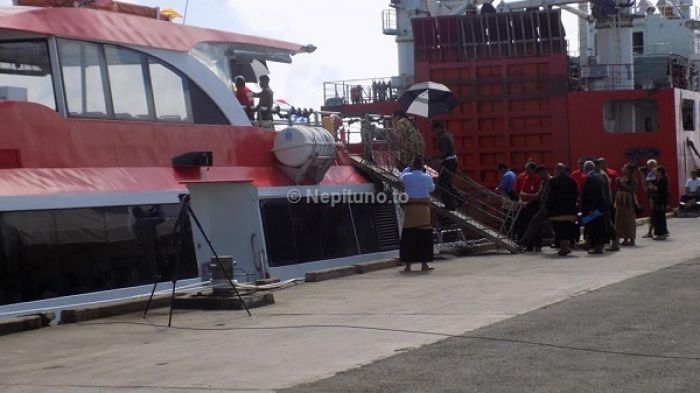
{"x":646,"y":73}
{"x":359,"y":91}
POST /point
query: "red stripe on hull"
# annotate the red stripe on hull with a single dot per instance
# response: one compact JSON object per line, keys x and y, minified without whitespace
{"x":61,"y":155}
{"x":43,"y":181}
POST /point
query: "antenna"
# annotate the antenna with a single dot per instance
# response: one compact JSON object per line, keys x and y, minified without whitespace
{"x":187,"y":6}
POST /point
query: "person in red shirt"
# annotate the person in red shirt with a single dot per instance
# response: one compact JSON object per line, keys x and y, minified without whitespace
{"x":579,"y":175}
{"x":527,"y":185}
{"x":244,"y":96}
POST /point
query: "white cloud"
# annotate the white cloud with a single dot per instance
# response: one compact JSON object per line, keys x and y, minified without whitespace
{"x":347,"y":33}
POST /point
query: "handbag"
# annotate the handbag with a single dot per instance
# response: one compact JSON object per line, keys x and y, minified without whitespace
{"x":591,"y":216}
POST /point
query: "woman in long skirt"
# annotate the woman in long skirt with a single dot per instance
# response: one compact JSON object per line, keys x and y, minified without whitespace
{"x":625,"y":205}
{"x":417,"y":235}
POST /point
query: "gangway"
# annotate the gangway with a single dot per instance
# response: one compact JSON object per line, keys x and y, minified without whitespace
{"x":483,"y":213}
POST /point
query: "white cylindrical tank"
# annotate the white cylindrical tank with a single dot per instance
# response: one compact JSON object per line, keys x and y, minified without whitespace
{"x":295,"y":145}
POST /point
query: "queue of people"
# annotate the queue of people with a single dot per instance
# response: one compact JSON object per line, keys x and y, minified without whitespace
{"x":592,"y":207}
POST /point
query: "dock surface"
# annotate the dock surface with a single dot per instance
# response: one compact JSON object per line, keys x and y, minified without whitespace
{"x":388,"y":331}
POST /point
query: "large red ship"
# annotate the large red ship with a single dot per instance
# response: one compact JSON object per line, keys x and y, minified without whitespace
{"x":108,"y":111}
{"x":629,"y":95}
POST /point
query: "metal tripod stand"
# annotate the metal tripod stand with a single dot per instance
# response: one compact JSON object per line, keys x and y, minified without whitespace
{"x":178,"y":236}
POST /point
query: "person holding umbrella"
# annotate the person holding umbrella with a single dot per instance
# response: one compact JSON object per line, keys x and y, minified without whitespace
{"x":429,"y":99}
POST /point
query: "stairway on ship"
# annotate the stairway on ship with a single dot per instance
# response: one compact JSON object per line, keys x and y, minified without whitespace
{"x":481,"y":214}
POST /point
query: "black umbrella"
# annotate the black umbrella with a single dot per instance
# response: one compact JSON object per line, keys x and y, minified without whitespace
{"x":428,"y":99}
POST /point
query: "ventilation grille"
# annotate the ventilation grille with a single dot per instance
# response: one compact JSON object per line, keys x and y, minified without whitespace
{"x":387,"y":226}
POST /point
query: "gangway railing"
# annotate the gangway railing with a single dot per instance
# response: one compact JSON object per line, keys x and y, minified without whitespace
{"x":483,"y":211}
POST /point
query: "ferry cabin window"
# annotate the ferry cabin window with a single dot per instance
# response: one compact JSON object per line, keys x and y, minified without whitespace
{"x":84,"y":76}
{"x":110,"y":82}
{"x":631,"y":116}
{"x":45,"y":254}
{"x":308,"y":231}
{"x":25,"y":73}
{"x":688,"y":114}
{"x":127,"y":81}
{"x":170,"y":93}
{"x":205,"y":111}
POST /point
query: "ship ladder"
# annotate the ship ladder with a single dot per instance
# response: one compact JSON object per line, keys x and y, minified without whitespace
{"x":483,"y":212}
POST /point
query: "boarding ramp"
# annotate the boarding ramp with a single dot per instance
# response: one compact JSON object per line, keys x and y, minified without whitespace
{"x":484,"y":213}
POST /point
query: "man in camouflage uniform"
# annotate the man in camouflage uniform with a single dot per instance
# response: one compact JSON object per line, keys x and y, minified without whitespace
{"x":409,"y":140}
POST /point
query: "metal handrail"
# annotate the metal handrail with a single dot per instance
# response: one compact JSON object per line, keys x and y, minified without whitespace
{"x":482,"y":208}
{"x":666,"y":71}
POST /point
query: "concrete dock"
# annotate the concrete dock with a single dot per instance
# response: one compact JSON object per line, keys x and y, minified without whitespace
{"x":316,"y":330}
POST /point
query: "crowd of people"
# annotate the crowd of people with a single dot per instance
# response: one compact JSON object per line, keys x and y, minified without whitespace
{"x":592,"y":208}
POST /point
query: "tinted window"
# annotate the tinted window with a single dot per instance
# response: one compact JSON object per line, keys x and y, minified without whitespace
{"x":638,"y":42}
{"x":84,"y":79}
{"x":304,"y":232}
{"x":25,"y":73}
{"x":29,"y":239}
{"x":170,"y":93}
{"x":127,"y":79}
{"x":110,"y":82}
{"x":688,"y":114}
{"x":204,"y":109}
{"x":46,"y":254}
{"x":279,"y":237}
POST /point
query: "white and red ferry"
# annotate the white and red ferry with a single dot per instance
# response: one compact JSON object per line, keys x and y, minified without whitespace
{"x":107,"y":111}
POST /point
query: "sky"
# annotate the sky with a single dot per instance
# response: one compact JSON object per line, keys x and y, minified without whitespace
{"x":347,"y":33}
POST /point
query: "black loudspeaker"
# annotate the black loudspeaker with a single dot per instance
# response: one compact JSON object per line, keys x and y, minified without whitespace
{"x":193,"y":159}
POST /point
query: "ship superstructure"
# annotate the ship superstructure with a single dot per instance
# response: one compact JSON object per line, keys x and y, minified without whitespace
{"x":629,"y":94}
